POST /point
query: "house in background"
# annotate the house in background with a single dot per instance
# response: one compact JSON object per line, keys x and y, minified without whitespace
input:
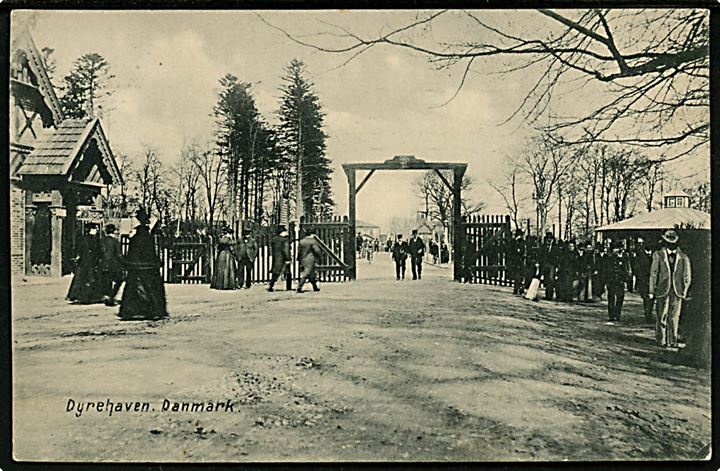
{"x":59,"y":168}
{"x":368,"y":228}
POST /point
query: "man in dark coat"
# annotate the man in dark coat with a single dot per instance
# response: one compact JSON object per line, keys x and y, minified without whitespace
{"x":567,"y":272}
{"x":399,"y":255}
{"x":548,"y":264}
{"x":86,"y":285}
{"x":308,"y":255}
{"x":617,"y":274}
{"x":246,"y":251}
{"x":515,"y":253}
{"x":416,"y":247}
{"x":640,"y":264}
{"x":111,"y":264}
{"x":280,"y":248}
{"x":144,"y":294}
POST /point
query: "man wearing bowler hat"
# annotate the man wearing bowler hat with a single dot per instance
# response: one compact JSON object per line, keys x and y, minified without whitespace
{"x":670,"y":277}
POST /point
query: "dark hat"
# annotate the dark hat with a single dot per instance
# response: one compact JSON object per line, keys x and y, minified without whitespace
{"x":110,"y":229}
{"x":617,"y":244}
{"x":414,"y":231}
{"x":670,"y":236}
{"x":519,"y":232}
{"x":142,"y":216}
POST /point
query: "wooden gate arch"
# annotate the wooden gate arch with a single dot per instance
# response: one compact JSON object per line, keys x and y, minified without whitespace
{"x":407,"y":162}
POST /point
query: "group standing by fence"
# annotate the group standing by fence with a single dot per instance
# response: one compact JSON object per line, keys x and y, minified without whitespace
{"x":586,"y":272}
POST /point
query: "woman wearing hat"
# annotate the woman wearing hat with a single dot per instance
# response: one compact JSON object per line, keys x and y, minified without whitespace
{"x":85,"y":287}
{"x":144,"y":294}
{"x":670,"y":277}
{"x":223,"y":276}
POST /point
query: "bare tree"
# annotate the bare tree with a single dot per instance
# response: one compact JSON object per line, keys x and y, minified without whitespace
{"x":651,"y":65}
{"x":439,"y":199}
{"x":545,"y":162}
{"x":211,"y":172}
{"x":188,"y":175}
{"x":509,"y":188}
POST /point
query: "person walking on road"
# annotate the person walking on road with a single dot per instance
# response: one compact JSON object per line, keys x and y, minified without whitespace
{"x":280,"y":249}
{"x":399,"y":255}
{"x":670,"y":278}
{"x":246,"y":252}
{"x":640,"y":264}
{"x":308,"y":254}
{"x":617,"y":271}
{"x":86,"y":285}
{"x":416,"y":246}
{"x":111,"y":265}
{"x":144,"y":294}
{"x":225,"y":271}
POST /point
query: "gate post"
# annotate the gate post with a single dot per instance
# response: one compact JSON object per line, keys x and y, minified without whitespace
{"x":351,"y":215}
{"x":458,"y":246}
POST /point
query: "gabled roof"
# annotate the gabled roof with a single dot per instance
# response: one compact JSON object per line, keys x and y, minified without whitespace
{"x":25,"y":43}
{"x":59,"y":151}
{"x":667,"y":218}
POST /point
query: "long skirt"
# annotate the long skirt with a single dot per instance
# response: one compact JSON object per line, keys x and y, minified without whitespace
{"x":224,"y":274}
{"x":85,"y":287}
{"x":144,"y":295}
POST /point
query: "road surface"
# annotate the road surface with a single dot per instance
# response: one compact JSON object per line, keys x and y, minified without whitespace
{"x":374,"y":369}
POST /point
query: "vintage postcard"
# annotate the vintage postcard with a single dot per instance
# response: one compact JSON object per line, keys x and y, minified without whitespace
{"x":360,"y":235}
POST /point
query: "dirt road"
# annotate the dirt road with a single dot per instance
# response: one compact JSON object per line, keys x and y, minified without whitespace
{"x":369,"y":370}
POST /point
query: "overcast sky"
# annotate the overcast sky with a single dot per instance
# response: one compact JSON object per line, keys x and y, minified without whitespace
{"x":383,"y":103}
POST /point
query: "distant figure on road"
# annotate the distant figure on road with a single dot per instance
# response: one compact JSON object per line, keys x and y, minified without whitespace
{"x":416,"y":246}
{"x":111,"y":265}
{"x":86,"y":285}
{"x":359,"y":241}
{"x":246,"y":251}
{"x":224,"y":273}
{"x":144,"y":294}
{"x":670,"y":278}
{"x":388,"y":245}
{"x":399,"y":255}
{"x":308,"y":254}
{"x":280,"y":248}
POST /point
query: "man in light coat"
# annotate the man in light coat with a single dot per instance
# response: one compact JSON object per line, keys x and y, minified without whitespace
{"x":670,"y":277}
{"x":308,"y":254}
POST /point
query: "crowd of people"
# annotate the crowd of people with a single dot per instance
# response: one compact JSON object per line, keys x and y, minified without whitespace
{"x":101,"y":269}
{"x":571,"y":271}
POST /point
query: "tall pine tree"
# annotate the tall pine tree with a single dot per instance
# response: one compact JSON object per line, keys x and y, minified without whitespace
{"x":301,"y":139}
{"x":85,"y":86}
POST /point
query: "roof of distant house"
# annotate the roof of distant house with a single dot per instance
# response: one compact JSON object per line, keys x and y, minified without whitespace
{"x":364,"y":224}
{"x":667,"y":218}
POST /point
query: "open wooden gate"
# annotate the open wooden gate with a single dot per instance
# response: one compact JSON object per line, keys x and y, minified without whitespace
{"x":485,"y":246}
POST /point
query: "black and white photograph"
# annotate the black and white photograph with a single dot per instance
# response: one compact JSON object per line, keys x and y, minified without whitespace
{"x":412,"y":235}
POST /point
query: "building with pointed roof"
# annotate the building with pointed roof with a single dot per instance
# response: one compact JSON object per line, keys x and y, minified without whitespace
{"x":58,"y":168}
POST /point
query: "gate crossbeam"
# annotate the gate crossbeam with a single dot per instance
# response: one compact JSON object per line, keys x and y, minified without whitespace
{"x":405,"y":162}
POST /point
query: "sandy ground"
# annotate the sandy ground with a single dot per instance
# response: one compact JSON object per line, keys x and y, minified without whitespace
{"x":369,"y":370}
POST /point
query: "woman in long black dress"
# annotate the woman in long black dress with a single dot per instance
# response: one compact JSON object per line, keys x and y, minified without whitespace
{"x":85,"y":287}
{"x":223,"y":276}
{"x":144,"y":294}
